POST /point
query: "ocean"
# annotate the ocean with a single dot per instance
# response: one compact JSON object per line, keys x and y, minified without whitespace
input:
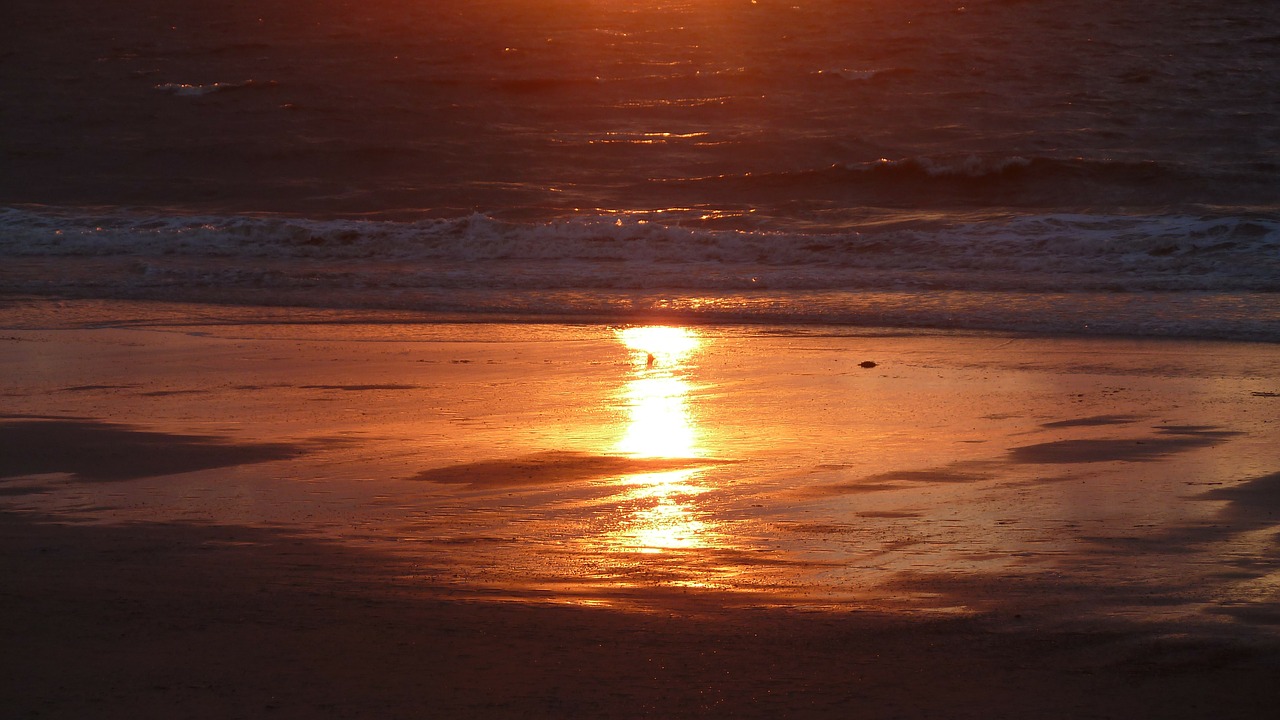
{"x":1060,"y":167}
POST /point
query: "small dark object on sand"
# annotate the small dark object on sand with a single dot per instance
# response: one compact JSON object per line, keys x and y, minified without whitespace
{"x":867,"y":364}
{"x":650,"y":360}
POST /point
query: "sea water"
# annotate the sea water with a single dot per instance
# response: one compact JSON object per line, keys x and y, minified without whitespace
{"x":1039,"y":166}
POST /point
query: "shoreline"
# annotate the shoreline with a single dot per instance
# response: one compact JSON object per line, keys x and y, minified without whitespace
{"x":37,"y":312}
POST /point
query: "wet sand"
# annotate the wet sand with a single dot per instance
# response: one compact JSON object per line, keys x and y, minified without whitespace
{"x":217,"y":513}
{"x":223,"y":621}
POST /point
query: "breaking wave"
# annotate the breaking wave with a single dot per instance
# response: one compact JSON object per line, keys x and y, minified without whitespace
{"x":1035,"y":253}
{"x":1183,"y":276}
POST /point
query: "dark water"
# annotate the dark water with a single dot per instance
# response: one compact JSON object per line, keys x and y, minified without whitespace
{"x":1038,"y":165}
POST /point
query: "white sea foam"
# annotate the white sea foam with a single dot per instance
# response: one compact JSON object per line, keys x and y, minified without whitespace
{"x":1055,"y":252}
{"x":599,"y":264}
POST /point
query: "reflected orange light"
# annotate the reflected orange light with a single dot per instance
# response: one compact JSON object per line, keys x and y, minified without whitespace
{"x":669,"y":521}
{"x":659,"y":424}
{"x":663,"y":515}
{"x":668,"y":345}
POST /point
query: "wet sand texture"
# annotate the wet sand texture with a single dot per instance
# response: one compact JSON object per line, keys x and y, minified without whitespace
{"x":216,"y":622}
{"x":271,"y":520}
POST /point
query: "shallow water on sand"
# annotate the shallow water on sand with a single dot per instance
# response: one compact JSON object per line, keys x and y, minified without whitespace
{"x":1063,"y":481}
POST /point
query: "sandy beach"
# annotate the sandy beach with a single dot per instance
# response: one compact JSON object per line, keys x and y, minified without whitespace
{"x":231,"y":513}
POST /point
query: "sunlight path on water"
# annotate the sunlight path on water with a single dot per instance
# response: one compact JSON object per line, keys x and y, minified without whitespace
{"x":661,"y":510}
{"x":657,"y":395}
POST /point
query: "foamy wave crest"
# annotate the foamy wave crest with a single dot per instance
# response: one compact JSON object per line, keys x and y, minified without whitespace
{"x":1174,"y":275}
{"x":1036,"y":253}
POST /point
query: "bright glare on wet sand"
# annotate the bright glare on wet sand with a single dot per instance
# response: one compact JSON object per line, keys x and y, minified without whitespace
{"x":737,"y":520}
{"x":575,"y":464}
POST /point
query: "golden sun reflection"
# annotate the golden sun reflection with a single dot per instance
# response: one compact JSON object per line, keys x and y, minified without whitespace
{"x":659,"y":423}
{"x":666,"y":344}
{"x":667,"y":521}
